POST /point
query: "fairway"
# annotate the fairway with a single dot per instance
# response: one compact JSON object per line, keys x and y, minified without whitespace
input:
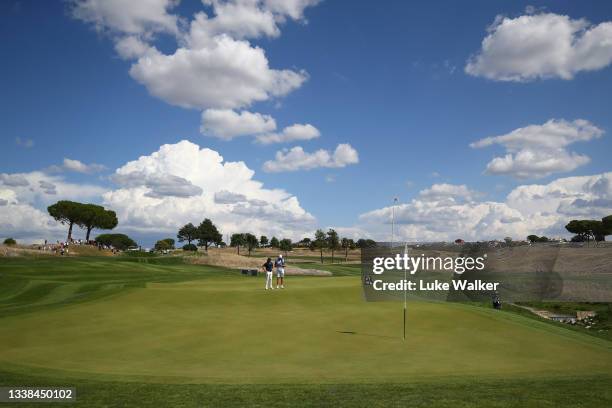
{"x":194,"y":324}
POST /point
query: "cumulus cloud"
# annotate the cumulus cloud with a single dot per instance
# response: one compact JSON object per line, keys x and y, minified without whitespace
{"x":537,"y":151}
{"x":226,"y":74}
{"x":226,"y":124}
{"x":290,"y":134}
{"x":297,"y":159}
{"x":134,"y":17}
{"x":133,"y":47}
{"x":25,"y":198}
{"x":157,"y":193}
{"x":14,"y":180}
{"x":229,"y":195}
{"x":47,"y":188}
{"x":158,"y":185}
{"x":528,"y":209}
{"x":214,"y":67}
{"x":80,"y":167}
{"x":445,"y":191}
{"x":544,"y":45}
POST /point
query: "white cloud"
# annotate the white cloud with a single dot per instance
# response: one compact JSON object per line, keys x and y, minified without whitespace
{"x":226,"y":124}
{"x":230,"y":196}
{"x":133,"y":17}
{"x":292,"y":8}
{"x":133,"y":47}
{"x":227,"y":197}
{"x":24,"y":215}
{"x":214,"y":67}
{"x":80,"y":167}
{"x":445,"y":191}
{"x":541,"y":46}
{"x":290,"y":134}
{"x":158,"y":185}
{"x":157,"y":194}
{"x":528,"y":209}
{"x":240,"y":19}
{"x":14,"y":180}
{"x":47,"y":187}
{"x":537,"y":151}
{"x":297,"y":159}
{"x":226,"y":74}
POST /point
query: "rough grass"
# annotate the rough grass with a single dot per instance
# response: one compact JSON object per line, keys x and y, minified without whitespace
{"x":571,"y":391}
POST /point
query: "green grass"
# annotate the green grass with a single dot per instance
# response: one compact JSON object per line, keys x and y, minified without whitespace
{"x":159,"y":333}
{"x":603,"y":322}
{"x":571,"y":391}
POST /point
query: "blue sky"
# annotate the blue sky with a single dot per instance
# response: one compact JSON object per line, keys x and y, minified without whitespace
{"x":388,"y":78}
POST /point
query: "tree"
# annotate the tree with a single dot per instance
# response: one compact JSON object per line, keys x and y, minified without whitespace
{"x":587,"y":229}
{"x":251,"y":241}
{"x":10,"y":241}
{"x":286,"y":245}
{"x":208,"y":234}
{"x":237,"y":240}
{"x":607,"y":222}
{"x":274,"y":242}
{"x":188,"y":232}
{"x":365,"y":243}
{"x":305,"y":242}
{"x":319,"y":242}
{"x":333,"y":242}
{"x":190,"y":247}
{"x":164,"y":244}
{"x":263,"y":241}
{"x":95,"y":216}
{"x":119,"y":241}
{"x":534,"y":238}
{"x":66,"y":212}
{"x":347,"y":244}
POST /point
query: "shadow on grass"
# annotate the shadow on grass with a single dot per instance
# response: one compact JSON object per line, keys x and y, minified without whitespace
{"x":366,"y":334}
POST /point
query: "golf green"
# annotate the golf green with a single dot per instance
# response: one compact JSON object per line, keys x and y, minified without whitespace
{"x":205,"y":325}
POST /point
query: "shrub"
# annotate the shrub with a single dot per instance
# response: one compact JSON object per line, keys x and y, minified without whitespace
{"x":164,"y":244}
{"x":10,"y":241}
{"x":190,"y":247}
{"x":119,"y":241}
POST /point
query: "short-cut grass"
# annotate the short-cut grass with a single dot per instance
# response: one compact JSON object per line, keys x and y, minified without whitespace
{"x":192,"y":335}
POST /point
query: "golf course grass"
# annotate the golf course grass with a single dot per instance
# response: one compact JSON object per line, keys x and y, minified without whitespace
{"x":158,"y":332}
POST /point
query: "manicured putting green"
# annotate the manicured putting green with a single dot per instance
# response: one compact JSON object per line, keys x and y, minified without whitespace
{"x":318,"y":330}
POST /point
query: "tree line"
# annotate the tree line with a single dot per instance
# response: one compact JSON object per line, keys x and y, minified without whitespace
{"x":207,"y":234}
{"x":329,"y":240}
{"x":584,"y":230}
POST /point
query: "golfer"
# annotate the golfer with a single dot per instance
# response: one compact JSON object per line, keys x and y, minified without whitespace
{"x":268,"y":266}
{"x":280,"y":272}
